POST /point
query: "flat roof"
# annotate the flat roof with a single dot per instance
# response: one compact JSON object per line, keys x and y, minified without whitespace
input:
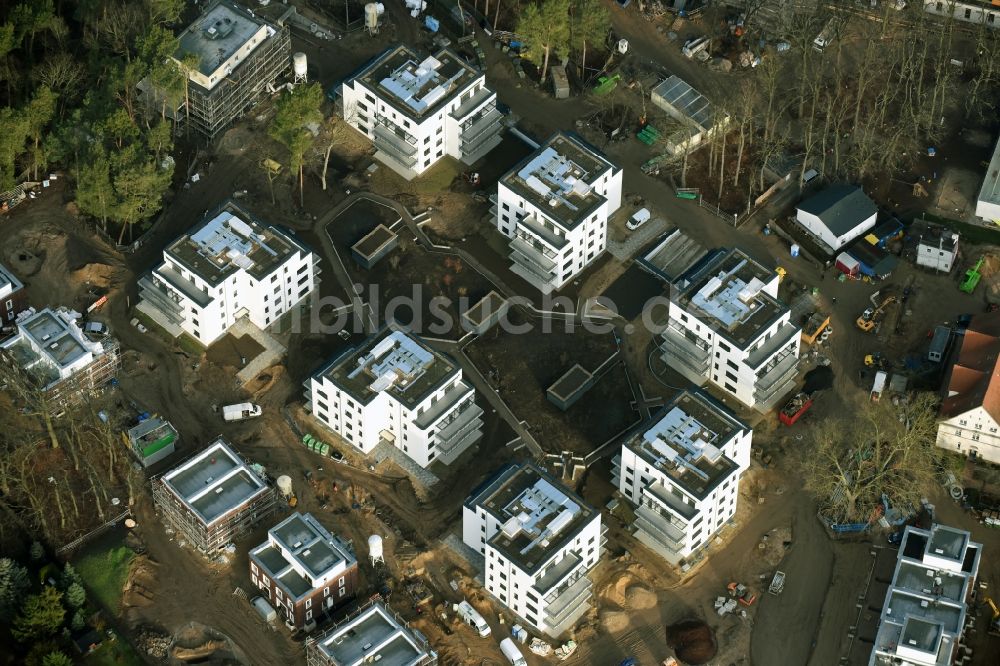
{"x":300,"y":554}
{"x":671,"y":255}
{"x":214,"y":482}
{"x":558,"y":179}
{"x":537,"y":514}
{"x":391,"y":361}
{"x":375,"y":634}
{"x":686,"y":442}
{"x":990,"y":191}
{"x":151,"y":430}
{"x":727,"y":293}
{"x":486,"y":307}
{"x":687,"y":101}
{"x":417,"y":86}
{"x":8,"y":282}
{"x":374,"y":241}
{"x":49,"y":342}
{"x":218,"y":34}
{"x":230,"y":241}
{"x":572,"y":381}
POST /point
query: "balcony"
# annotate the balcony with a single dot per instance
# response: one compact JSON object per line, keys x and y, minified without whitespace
{"x":183,"y":286}
{"x":665,"y":526}
{"x":534,"y":254}
{"x":782,"y":337}
{"x":558,"y":573}
{"x":442,"y":406}
{"x":480,"y":127}
{"x":468,"y":106}
{"x":389,"y":151}
{"x":775,"y":381}
{"x":568,"y":605}
{"x":657,"y":540}
{"x":542,"y":283}
{"x":160,"y":298}
{"x":401,"y":143}
{"x":466,"y":422}
{"x":535,"y":227}
{"x":616,"y":471}
{"x":685,"y":355}
{"x":662,"y":495}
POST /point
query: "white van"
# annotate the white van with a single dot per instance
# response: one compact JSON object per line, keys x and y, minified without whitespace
{"x":826,"y":35}
{"x":472,"y":618}
{"x":513,"y":655}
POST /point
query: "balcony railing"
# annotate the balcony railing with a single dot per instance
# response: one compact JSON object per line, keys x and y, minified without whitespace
{"x":471,"y":104}
{"x":536,"y":228}
{"x":533,"y":253}
{"x":662,"y":495}
{"x":568,"y":599}
{"x":544,"y":285}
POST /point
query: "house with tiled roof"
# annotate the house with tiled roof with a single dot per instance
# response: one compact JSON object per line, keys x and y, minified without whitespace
{"x":970,"y":400}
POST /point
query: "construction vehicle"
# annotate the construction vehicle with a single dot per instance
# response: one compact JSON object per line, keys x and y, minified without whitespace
{"x":871,"y":316}
{"x":777,"y":583}
{"x":995,"y":619}
{"x":741,"y":593}
{"x":877,"y":360}
{"x":972,"y":277}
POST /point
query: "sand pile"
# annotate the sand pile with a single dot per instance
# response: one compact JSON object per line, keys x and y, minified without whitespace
{"x":638,"y":597}
{"x":692,"y":641}
{"x":95,"y":274}
{"x":614,"y":621}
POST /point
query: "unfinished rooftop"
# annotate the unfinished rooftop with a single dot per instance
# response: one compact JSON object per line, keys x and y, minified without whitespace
{"x":218,"y":34}
{"x":229,"y":242}
{"x":417,"y":87}
{"x":300,"y":555}
{"x":214,"y":482}
{"x":537,"y":515}
{"x":392,"y":362}
{"x":727,"y":293}
{"x":8,"y":282}
{"x":49,"y":343}
{"x":374,"y":635}
{"x":686,"y":443}
{"x":559,"y":179}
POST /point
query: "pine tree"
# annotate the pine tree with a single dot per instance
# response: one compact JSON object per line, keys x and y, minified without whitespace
{"x":41,"y":616}
{"x":13,"y":585}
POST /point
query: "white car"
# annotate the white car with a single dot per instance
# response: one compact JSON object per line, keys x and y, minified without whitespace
{"x":639,"y":218}
{"x":135,"y":322}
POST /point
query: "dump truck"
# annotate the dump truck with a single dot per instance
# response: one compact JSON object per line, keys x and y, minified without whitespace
{"x":240,"y":412}
{"x":777,"y":583}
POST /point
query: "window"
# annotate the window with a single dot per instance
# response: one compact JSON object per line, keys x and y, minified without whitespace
{"x":968,"y":14}
{"x":326,"y":591}
{"x":309,"y":613}
{"x":10,"y":305}
{"x":309,"y":603}
{"x":343,"y":591}
{"x":341,"y":582}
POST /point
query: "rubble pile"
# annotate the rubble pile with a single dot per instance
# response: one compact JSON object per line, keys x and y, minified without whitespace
{"x":153,"y":643}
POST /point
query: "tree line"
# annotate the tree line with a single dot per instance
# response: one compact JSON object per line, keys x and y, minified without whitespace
{"x":71,"y":75}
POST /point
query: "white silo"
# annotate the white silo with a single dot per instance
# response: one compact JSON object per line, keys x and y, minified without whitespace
{"x":284,"y":484}
{"x":300,"y":67}
{"x":371,"y":18}
{"x":375,"y":550}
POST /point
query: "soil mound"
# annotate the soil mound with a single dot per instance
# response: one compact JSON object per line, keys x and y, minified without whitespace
{"x":692,"y":641}
{"x":96,"y":275}
{"x":638,"y":597}
{"x":198,"y":644}
{"x":614,"y":621}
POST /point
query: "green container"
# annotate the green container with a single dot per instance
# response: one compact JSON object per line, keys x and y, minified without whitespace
{"x":325,"y":450}
{"x":305,"y":438}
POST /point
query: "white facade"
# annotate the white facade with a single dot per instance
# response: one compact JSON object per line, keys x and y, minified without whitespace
{"x":970,"y":11}
{"x":554,"y":207}
{"x":50,"y":345}
{"x":227,"y":268}
{"x":540,"y":542}
{"x":974,"y":432}
{"x":416,"y":110}
{"x":222,"y":38}
{"x":926,"y":606}
{"x":682,"y":474}
{"x":397,"y":390}
{"x":938,"y":252}
{"x":725,"y":325}
{"x":988,"y":201}
{"x":818,"y":228}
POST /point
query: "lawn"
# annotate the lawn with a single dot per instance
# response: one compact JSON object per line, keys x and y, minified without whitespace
{"x":969,"y":233}
{"x":104,"y":575}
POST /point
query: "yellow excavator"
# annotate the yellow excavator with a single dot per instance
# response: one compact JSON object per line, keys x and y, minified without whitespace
{"x":995,"y":620}
{"x":866,"y":322}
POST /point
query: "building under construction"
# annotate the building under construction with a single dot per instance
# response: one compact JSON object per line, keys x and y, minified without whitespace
{"x":213,"y":498}
{"x":50,"y":352}
{"x":239,"y":55}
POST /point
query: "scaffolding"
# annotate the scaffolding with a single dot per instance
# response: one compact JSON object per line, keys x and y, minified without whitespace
{"x":83,"y":384}
{"x":315,"y":656}
{"x":210,"y":538}
{"x":211,"y":111}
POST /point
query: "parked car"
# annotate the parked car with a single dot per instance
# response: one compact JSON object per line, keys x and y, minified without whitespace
{"x":639,"y":218}
{"x":95,"y":328}
{"x":138,"y":324}
{"x":241,"y":411}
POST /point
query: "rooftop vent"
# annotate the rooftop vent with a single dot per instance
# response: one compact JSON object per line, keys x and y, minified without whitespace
{"x":219,"y":30}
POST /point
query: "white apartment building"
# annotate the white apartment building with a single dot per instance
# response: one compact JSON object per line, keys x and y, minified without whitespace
{"x":229,"y":267}
{"x":970,"y":11}
{"x":12,"y":296}
{"x":726,"y":325}
{"x":969,"y":416}
{"x":926,"y":607}
{"x":396,"y":389}
{"x":554,"y":207}
{"x":417,"y":110}
{"x":540,"y":542}
{"x":682,"y":474}
{"x":988,"y":200}
{"x":372,"y":635}
{"x":51,"y":350}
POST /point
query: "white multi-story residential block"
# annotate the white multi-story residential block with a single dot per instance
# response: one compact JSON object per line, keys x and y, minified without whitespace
{"x":554,"y":206}
{"x":682,"y":473}
{"x":13,"y":297}
{"x":417,"y":110}
{"x":925,"y":610}
{"x":988,"y":201}
{"x":970,"y":407}
{"x":726,"y":325}
{"x":372,"y":635}
{"x":396,"y":389}
{"x":970,"y":11}
{"x":540,"y":542}
{"x":53,"y":354}
{"x":229,"y":267}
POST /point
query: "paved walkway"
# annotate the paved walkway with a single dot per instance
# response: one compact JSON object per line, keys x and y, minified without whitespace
{"x":387,"y":451}
{"x":636,"y":240}
{"x":272,"y":352}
